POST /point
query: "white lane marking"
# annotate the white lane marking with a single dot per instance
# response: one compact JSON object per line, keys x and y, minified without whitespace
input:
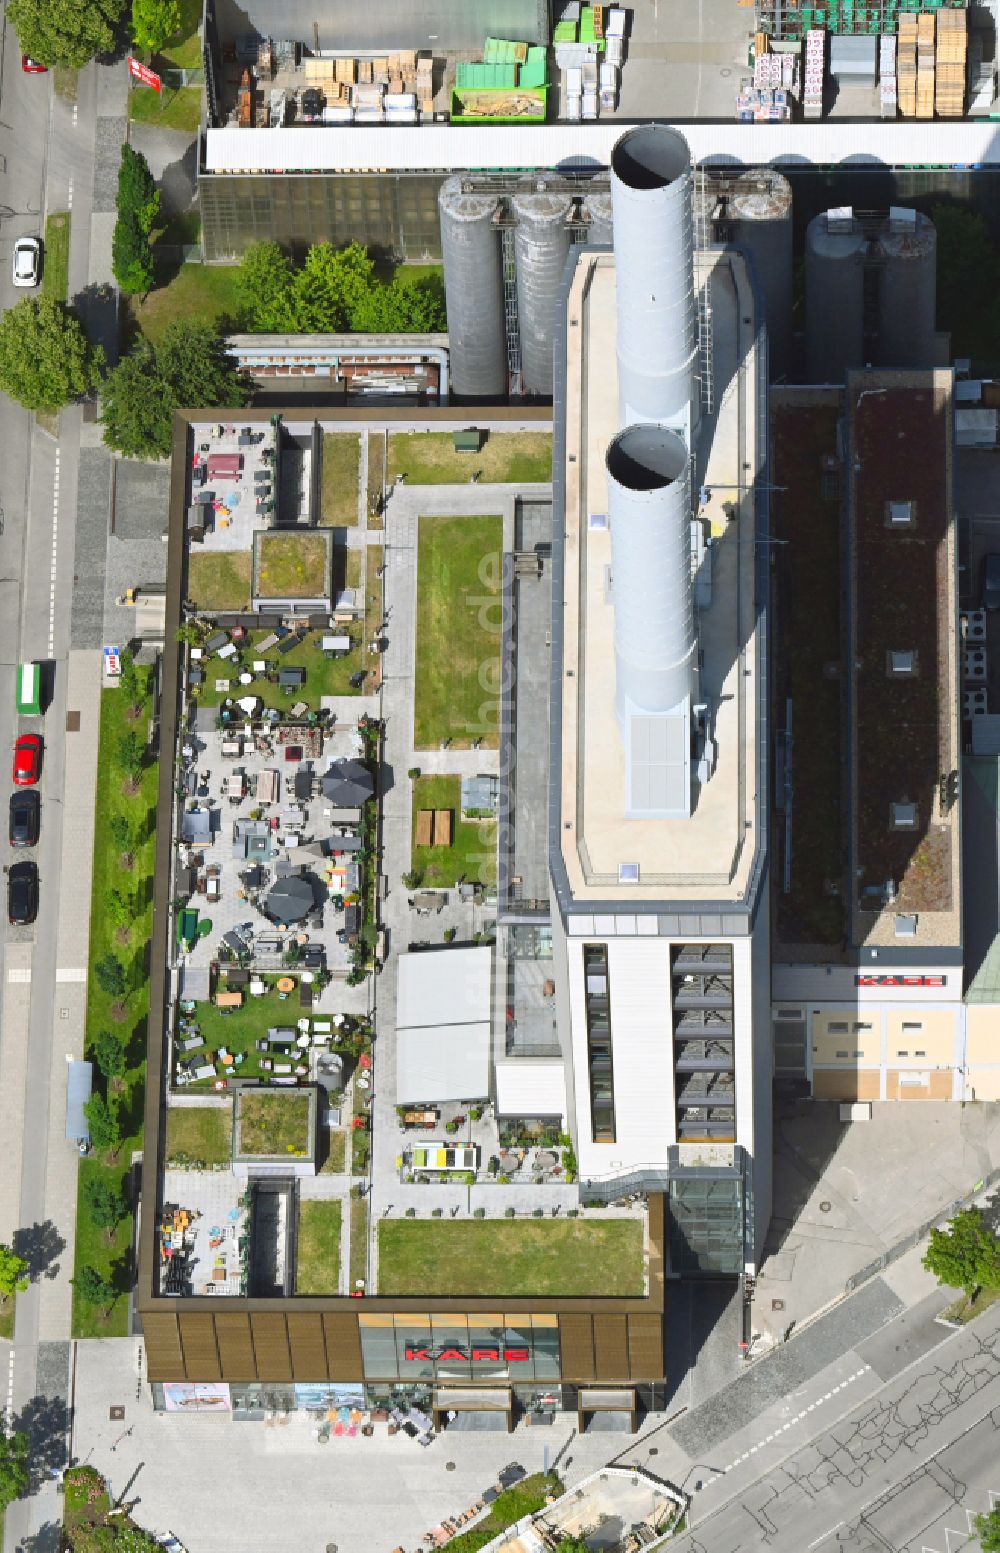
{"x":75,"y":112}
{"x":19,"y":974}
{"x":69,"y":192}
{"x":10,"y":1390}
{"x":55,"y":555}
{"x":738,"y":1460}
{"x":73,"y":973}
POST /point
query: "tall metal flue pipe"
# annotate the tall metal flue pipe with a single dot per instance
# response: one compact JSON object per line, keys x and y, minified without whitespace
{"x":473,"y":285}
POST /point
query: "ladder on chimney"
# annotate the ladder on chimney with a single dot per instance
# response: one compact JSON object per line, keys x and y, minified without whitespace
{"x":510,"y":309}
{"x":701,"y":195}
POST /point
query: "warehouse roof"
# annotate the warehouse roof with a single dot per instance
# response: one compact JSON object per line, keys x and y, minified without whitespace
{"x":449,"y":987}
{"x":528,"y":1088}
{"x":443,"y":1002}
{"x":458,"y":148}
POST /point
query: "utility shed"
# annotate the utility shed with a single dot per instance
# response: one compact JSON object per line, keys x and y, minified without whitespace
{"x":443,"y":1001}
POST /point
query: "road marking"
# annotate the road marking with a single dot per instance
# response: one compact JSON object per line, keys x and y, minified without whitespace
{"x":10,"y":1390}
{"x":72,"y":973}
{"x":69,"y":192}
{"x":75,"y":112}
{"x":738,"y":1460}
{"x":19,"y":974}
{"x":55,"y":553}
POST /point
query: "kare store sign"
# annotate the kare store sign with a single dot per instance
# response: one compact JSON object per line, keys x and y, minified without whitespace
{"x":900,"y":981}
{"x":142,"y":73}
{"x":464,"y":1355}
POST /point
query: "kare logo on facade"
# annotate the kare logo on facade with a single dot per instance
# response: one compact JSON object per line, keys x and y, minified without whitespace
{"x":452,"y":1355}
{"x":901,"y":981}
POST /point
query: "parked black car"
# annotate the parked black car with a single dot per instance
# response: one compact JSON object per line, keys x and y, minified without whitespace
{"x":25,"y":814}
{"x":22,"y":893}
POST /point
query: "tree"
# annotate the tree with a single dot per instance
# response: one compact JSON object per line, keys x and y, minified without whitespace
{"x":129,"y":684}
{"x":130,"y":753}
{"x":109,"y":973}
{"x":105,"y":1124}
{"x":114,"y":1537}
{"x":189,"y":367}
{"x":988,"y":1531}
{"x":265,"y":284}
{"x":105,"y":1203}
{"x":153,"y":22}
{"x":331,"y":286}
{"x":66,"y":32}
{"x":110,"y":1054}
{"x":45,"y":358}
{"x":132,"y":256}
{"x":94,"y":1289}
{"x":13,"y":1467}
{"x":137,"y":192}
{"x":13,"y":1273}
{"x":966,"y":1255}
{"x":122,"y":833}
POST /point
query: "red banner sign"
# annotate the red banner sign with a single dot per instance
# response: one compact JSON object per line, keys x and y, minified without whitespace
{"x":900,"y":981}
{"x":143,"y":74}
{"x":443,"y":1355}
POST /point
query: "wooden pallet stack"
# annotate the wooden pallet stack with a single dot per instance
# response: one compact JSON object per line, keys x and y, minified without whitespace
{"x":906,"y":63}
{"x":952,"y":49}
{"x":925,"y":65}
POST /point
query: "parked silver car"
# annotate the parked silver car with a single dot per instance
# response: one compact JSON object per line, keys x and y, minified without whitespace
{"x":27,"y":261}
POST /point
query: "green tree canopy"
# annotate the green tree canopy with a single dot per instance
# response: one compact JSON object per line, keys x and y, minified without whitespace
{"x":965,"y":1255}
{"x":265,"y":282}
{"x":130,"y":753}
{"x":109,"y":973}
{"x":110,"y":1054}
{"x":13,"y":1272}
{"x":94,"y":1289}
{"x":45,"y":358}
{"x":154,"y":22}
{"x":988,"y":1531}
{"x":66,"y":32}
{"x":132,"y":256}
{"x":188,"y":369}
{"x":13,"y":1467}
{"x":137,"y":191}
{"x":105,"y":1203}
{"x":336,"y":288}
{"x":114,"y":1537}
{"x":104,"y":1123}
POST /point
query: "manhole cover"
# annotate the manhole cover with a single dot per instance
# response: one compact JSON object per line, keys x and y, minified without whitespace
{"x":449,"y":1466}
{"x":725,"y":72}
{"x":331,"y":1547}
{"x":777,"y":1304}
{"x":825,"y":1207}
{"x":116,"y":1414}
{"x":654,"y":1450}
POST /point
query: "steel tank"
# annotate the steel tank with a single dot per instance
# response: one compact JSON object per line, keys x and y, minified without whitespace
{"x":907,"y":292}
{"x":542,"y":240}
{"x":600,"y":228}
{"x":836,"y":251}
{"x":654,"y":263}
{"x":759,"y":210}
{"x":473,"y":283}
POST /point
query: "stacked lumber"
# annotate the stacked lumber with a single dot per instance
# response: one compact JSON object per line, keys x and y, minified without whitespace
{"x":906,"y":64}
{"x":925,"y":65}
{"x":952,"y":50}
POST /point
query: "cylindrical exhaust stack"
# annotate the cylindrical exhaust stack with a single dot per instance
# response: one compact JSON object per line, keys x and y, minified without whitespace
{"x":649,"y":503}
{"x":473,"y":284}
{"x":541,"y":247}
{"x":653,"y":236}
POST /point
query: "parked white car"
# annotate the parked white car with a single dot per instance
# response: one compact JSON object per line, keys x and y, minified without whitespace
{"x":27,"y":261}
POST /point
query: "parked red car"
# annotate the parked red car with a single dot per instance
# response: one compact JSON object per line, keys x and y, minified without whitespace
{"x":32,"y":67}
{"x":27,"y":760}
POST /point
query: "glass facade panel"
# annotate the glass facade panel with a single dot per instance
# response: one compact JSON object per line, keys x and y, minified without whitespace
{"x":378,"y":1346}
{"x":598,"y":1006}
{"x":545,"y":1343}
{"x":414,"y":1347}
{"x":451,"y":1348}
{"x":705,"y":1222}
{"x":487,"y":1339}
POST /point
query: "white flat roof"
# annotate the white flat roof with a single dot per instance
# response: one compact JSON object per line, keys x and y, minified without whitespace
{"x":459,"y":147}
{"x":529,"y":1088}
{"x":444,"y":1062}
{"x":443,"y":987}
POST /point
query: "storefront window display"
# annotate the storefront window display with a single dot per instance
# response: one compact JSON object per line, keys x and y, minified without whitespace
{"x":448,"y":1348}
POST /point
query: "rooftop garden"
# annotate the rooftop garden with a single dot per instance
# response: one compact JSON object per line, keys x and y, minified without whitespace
{"x":600,"y":1258}
{"x":472,"y":855}
{"x":273,"y":1124}
{"x":341,"y":473}
{"x":458,"y":631}
{"x":317,"y":1264}
{"x":505,"y":458}
{"x":199,"y":1137}
{"x":219,"y":579}
{"x":291,"y":565}
{"x":806,"y":514}
{"x":903,"y":599}
{"x":326,"y":675}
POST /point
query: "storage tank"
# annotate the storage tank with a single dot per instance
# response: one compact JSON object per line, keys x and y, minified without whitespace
{"x":649,"y":508}
{"x":600,"y":232}
{"x":473,"y":284}
{"x":759,"y":213}
{"x":541,"y":246}
{"x":657,"y":325}
{"x":835,"y":282}
{"x":908,"y":291}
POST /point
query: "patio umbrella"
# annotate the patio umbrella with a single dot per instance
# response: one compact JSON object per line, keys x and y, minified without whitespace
{"x":289,"y":900}
{"x":347,"y":784}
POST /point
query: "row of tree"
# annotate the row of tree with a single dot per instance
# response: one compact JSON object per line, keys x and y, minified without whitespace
{"x":67,"y":33}
{"x":138,"y":205}
{"x":335,"y":289}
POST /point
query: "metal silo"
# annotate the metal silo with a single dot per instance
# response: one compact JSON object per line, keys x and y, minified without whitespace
{"x":759,"y":209}
{"x":835,"y":289}
{"x":907,"y":291}
{"x":541,"y":247}
{"x":657,"y":328}
{"x":649,"y":506}
{"x":473,"y":283}
{"x":600,"y":231}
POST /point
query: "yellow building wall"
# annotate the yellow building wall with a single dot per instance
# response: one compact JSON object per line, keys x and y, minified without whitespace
{"x":934,"y":1041}
{"x":845,"y":1084}
{"x":983,"y":1084}
{"x":863,"y":1035}
{"x":982,"y":1034}
{"x":939,"y":1085}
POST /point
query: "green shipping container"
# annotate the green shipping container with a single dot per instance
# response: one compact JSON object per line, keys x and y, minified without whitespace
{"x":29,"y":689}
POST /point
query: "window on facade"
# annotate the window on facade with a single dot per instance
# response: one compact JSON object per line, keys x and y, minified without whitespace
{"x":910,"y":1024}
{"x":861,"y":1024}
{"x":837,"y":1027}
{"x":902,"y":1054}
{"x":842,"y":1054}
{"x":919,"y":1054}
{"x":858,"y":1051}
{"x":598,"y":1007}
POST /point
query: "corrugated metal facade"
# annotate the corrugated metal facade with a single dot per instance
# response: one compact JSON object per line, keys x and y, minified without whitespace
{"x":426,"y":24}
